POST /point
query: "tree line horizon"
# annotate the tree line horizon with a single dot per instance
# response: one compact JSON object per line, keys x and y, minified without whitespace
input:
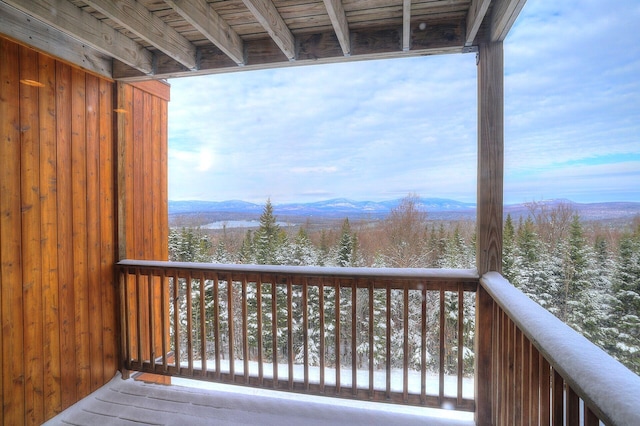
{"x":588,"y":275}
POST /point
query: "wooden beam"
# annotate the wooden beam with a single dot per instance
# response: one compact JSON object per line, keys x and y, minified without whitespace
{"x":64,"y":16}
{"x":490,"y":156}
{"x":139,"y":20}
{"x":22,"y":28}
{"x":437,"y":38}
{"x":207,"y":21}
{"x":406,"y":25}
{"x":503,"y":15}
{"x":338,"y":17}
{"x":269,"y":17}
{"x":477,"y":12}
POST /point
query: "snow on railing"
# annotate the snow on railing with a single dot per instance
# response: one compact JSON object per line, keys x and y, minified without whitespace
{"x":543,"y":372}
{"x":389,"y":335}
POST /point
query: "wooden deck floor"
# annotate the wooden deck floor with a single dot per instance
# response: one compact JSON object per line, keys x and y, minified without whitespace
{"x":129,"y":402}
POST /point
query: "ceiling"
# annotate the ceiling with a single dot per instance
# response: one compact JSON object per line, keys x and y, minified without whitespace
{"x":149,"y":39}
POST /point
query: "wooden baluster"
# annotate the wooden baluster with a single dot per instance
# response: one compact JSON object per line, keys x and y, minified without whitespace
{"x":164,"y":289}
{"x":371,"y":340}
{"x":337,"y":336}
{"x":442,"y":350}
{"x":517,"y":376}
{"x":557,"y":399}
{"x":305,"y":331}
{"x":216,"y":323}
{"x":534,"y":386}
{"x":189,"y":325}
{"x":573,"y":407}
{"x":175,"y":299}
{"x":290,"y":331}
{"x":505,"y":369}
{"x":423,"y":346}
{"x":274,"y":331}
{"x":232,"y":332}
{"x":460,"y":343}
{"x":259,"y":336}
{"x":511,"y":379}
{"x":590,"y":418}
{"x":124,"y":317}
{"x":405,"y":344}
{"x":322,"y":336}
{"x":388,"y":341}
{"x":545,"y":392}
{"x":354,"y":337}
{"x":526,"y":380}
{"x":245,"y":331}
{"x":203,"y":328}
{"x":151,"y":310}
{"x":139,"y":316}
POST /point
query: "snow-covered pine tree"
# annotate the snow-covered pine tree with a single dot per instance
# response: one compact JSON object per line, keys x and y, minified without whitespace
{"x":626,"y":304}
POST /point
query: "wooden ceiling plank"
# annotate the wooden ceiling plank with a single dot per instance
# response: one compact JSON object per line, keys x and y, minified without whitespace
{"x":338,"y":19}
{"x":503,"y":15}
{"x":81,"y":25}
{"x":207,"y":21}
{"x":318,"y":48}
{"x":406,"y":25}
{"x":269,"y":17}
{"x":24,"y":29}
{"x":136,"y":18}
{"x":477,"y":12}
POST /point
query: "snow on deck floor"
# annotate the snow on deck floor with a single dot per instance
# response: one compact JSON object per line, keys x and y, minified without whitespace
{"x":129,"y":402}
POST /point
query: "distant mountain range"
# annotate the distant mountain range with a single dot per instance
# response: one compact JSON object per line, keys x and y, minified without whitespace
{"x":341,"y":206}
{"x":436,"y":207}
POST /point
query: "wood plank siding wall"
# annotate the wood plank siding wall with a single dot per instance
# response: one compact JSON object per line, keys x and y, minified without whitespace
{"x":59,"y":229}
{"x":142,"y":179}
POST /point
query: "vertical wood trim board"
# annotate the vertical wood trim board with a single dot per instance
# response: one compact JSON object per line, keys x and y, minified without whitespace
{"x":142,"y":205}
{"x":58,"y":243}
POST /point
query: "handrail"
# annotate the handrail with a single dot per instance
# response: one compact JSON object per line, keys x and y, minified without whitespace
{"x":607,"y":387}
{"x":320,"y":271}
{"x":219,"y":321}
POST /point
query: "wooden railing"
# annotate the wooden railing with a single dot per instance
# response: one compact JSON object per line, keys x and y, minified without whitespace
{"x":389,"y":335}
{"x":541,"y":372}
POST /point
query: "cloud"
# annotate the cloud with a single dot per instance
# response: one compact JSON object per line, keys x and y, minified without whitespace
{"x":381,"y":129}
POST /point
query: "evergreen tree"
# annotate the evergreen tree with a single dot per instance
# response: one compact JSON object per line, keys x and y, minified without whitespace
{"x":267,"y":237}
{"x":626,"y":302}
{"x":247,"y":249}
{"x":509,"y":250}
{"x":346,"y":254}
{"x":580,"y":304}
{"x":189,"y":245}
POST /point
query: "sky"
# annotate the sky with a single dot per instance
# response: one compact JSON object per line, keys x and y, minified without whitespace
{"x":381,"y":130}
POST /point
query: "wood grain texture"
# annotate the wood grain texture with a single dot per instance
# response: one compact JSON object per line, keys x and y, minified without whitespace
{"x":206,"y":20}
{"x":484,"y":358}
{"x":490,"y":157}
{"x":13,"y":365}
{"x":31,"y":249}
{"x":49,"y":235}
{"x":139,"y":20}
{"x":266,"y":13}
{"x":66,"y":17}
{"x":52,"y":306}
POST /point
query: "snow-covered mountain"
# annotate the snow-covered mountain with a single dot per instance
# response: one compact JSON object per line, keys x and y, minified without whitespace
{"x":435,"y":207}
{"x":336,"y":206}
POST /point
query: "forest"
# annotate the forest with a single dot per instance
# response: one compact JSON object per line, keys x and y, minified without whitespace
{"x":585,"y":273}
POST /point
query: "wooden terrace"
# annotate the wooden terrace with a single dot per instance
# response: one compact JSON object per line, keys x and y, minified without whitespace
{"x":85,"y":287}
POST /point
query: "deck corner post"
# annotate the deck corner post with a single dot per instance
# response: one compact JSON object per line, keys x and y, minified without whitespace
{"x":489,"y":214}
{"x":490,"y":157}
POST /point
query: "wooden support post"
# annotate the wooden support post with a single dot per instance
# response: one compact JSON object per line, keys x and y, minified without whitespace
{"x":489,"y":213}
{"x":490,"y":157}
